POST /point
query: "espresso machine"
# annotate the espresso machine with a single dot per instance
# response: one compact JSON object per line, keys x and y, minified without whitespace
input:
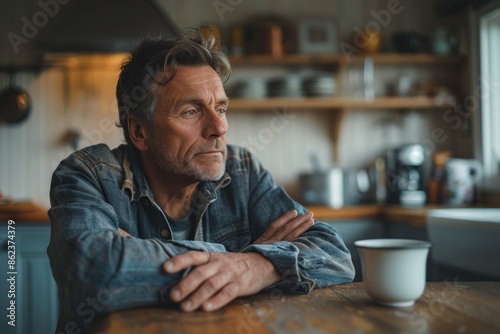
{"x":404,"y":175}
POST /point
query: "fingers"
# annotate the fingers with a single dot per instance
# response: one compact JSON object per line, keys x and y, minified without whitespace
{"x":222,"y":298}
{"x":276,"y":225}
{"x":223,"y":277}
{"x":296,"y":227}
{"x":123,"y":233}
{"x":201,"y":279}
{"x":287,"y":228}
{"x":191,"y":285}
{"x":199,"y":287}
{"x":186,"y":260}
{"x":202,"y":283}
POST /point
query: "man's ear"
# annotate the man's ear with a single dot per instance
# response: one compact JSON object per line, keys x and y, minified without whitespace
{"x":138,"y":132}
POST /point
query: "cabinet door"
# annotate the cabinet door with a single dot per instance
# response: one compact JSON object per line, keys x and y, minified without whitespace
{"x":357,"y":229}
{"x":35,"y":289}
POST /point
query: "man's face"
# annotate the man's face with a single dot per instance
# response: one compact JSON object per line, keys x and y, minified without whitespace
{"x":189,"y":133}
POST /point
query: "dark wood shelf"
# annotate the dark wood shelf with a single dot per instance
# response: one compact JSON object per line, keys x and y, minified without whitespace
{"x":339,"y":59}
{"x":310,"y":103}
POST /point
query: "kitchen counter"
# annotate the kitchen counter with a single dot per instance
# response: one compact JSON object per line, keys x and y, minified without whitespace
{"x":23,"y":212}
{"x":350,"y":212}
{"x":415,"y":216}
{"x":395,"y":213}
{"x":32,"y":212}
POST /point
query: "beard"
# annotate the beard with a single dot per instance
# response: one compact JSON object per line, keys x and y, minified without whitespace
{"x":210,"y":168}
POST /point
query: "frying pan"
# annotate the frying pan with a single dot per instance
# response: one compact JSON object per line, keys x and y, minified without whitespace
{"x":15,"y":104}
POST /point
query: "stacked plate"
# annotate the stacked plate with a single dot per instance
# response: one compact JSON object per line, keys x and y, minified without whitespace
{"x":250,"y":88}
{"x":289,"y":86}
{"x":320,"y":85}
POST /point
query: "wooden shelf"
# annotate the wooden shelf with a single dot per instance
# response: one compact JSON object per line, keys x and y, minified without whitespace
{"x":414,"y":59}
{"x":335,"y":103}
{"x":102,"y":61}
{"x":341,"y":103}
{"x":294,"y":59}
{"x":339,"y":59}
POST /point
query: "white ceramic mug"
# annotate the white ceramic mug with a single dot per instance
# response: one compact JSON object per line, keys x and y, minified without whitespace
{"x":394,"y":270}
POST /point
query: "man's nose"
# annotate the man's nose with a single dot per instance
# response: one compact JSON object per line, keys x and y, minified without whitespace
{"x":215,"y":124}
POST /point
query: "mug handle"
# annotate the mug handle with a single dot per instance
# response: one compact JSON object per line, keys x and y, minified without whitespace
{"x":478,"y":168}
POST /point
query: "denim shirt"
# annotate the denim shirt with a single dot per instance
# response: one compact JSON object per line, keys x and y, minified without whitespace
{"x":96,"y":190}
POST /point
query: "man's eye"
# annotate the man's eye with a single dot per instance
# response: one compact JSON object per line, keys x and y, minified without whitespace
{"x":191,"y":112}
{"x":222,"y":111}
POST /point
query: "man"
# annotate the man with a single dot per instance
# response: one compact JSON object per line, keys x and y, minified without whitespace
{"x":176,"y":215}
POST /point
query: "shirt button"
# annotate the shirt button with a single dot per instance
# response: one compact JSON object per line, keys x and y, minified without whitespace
{"x":146,"y":202}
{"x":164,"y":232}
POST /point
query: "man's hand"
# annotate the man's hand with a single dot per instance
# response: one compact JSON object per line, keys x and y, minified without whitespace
{"x":218,"y":278}
{"x":286,"y":228}
{"x":123,"y":233}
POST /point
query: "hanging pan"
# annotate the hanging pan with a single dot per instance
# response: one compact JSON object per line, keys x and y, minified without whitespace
{"x":15,"y":103}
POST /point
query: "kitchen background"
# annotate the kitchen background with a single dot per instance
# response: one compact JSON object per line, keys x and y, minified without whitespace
{"x":75,"y":97}
{"x":73,"y":105}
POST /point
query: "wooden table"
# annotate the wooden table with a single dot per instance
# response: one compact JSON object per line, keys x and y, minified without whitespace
{"x":445,"y":307}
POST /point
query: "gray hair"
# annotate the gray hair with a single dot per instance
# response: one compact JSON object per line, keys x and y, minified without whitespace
{"x":154,"y":62}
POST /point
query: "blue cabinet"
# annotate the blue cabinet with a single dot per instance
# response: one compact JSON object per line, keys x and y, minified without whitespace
{"x":357,"y":229}
{"x":36,"y":306}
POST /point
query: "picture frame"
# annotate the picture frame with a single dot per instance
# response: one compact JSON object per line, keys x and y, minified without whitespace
{"x":317,"y":35}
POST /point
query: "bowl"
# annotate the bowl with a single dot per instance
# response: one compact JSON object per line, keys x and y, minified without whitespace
{"x":394,"y":270}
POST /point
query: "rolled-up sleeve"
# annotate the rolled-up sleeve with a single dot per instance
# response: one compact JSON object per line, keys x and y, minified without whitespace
{"x":317,"y":258}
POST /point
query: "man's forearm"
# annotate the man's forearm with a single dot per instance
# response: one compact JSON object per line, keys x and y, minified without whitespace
{"x":317,"y":258}
{"x":268,"y":272}
{"x":106,"y":272}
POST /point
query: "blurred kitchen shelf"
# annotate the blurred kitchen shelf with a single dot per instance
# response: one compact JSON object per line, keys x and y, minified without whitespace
{"x":102,"y":61}
{"x":342,"y":63}
{"x":338,"y":59}
{"x":410,"y":58}
{"x":308,"y":103}
{"x":293,"y":59}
